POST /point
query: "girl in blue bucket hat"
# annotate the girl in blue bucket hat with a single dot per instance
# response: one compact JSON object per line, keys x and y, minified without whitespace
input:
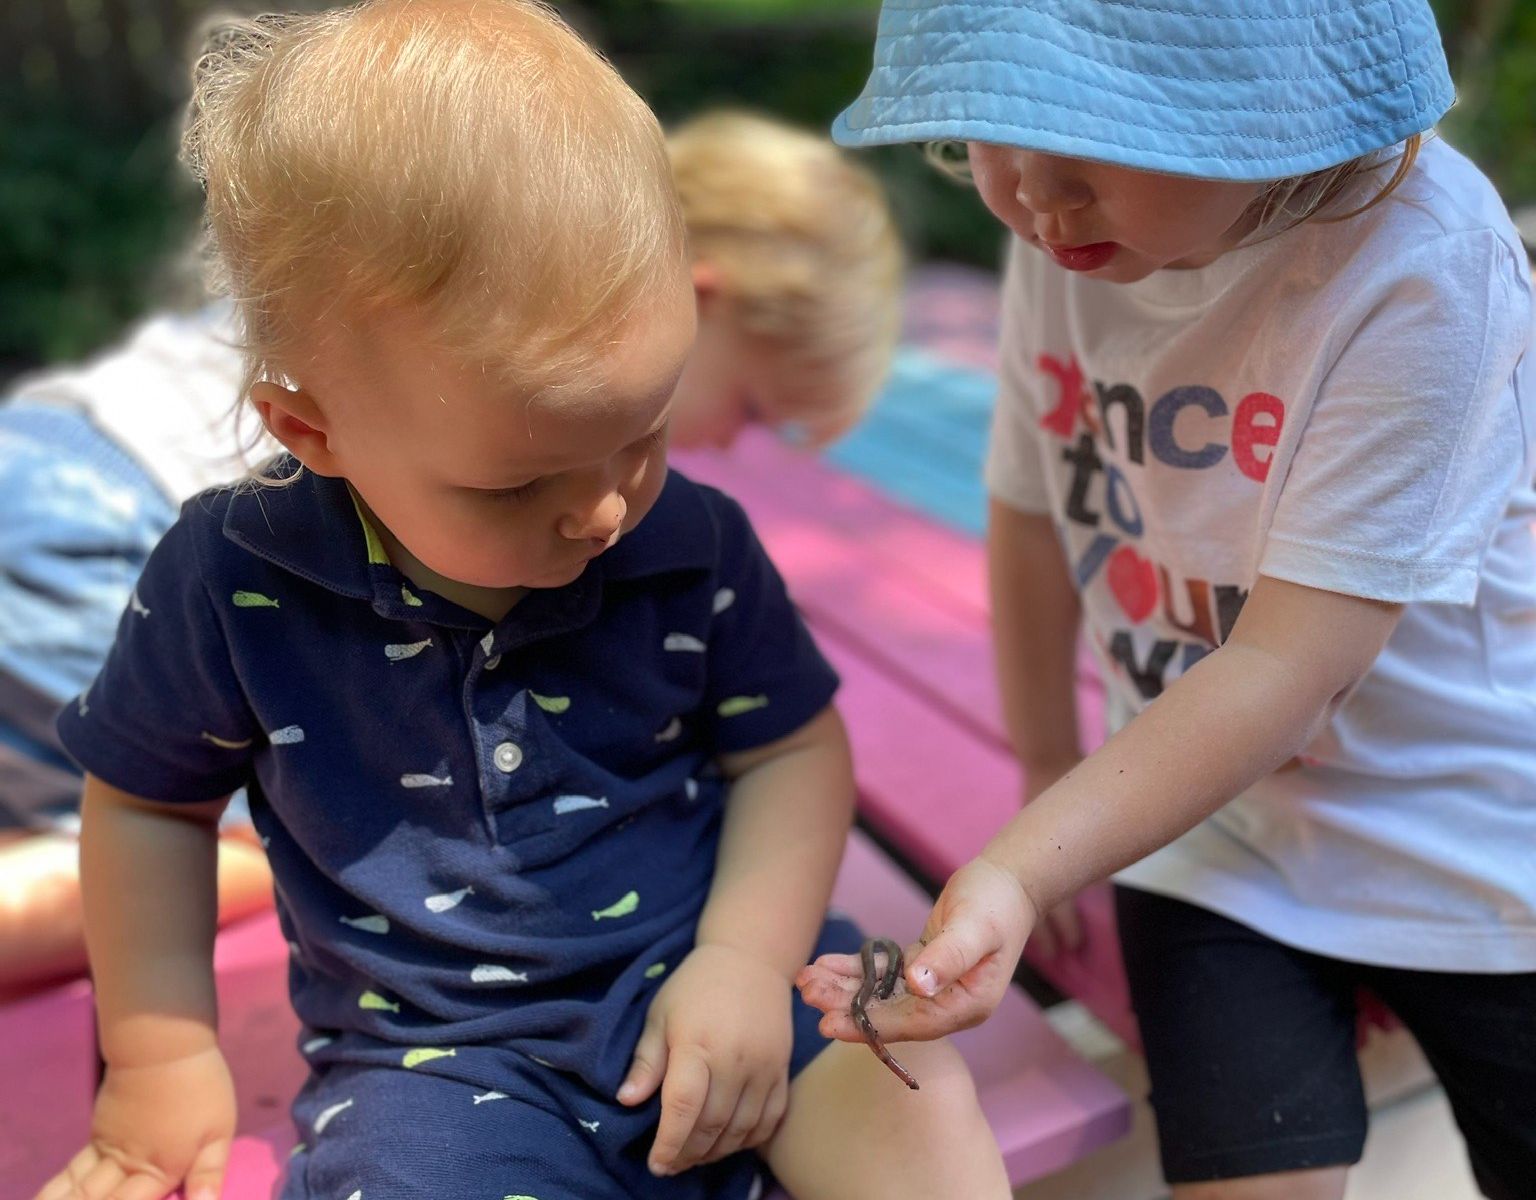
{"x":1266,"y":433}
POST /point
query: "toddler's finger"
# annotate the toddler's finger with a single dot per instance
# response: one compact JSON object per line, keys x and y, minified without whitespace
{"x":206,"y":1178}
{"x":98,"y":1182}
{"x":62,"y":1186}
{"x":711,"y":1129}
{"x":647,"y":1068}
{"x":742,"y":1125}
{"x":683,"y":1092}
{"x":148,"y":1187}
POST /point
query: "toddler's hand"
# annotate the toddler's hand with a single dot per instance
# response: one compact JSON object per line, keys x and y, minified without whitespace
{"x":155,"y":1127}
{"x":974,"y":937}
{"x":717,"y":1040}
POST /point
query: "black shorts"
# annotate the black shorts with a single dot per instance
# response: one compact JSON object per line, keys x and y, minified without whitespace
{"x":1250,"y":1046}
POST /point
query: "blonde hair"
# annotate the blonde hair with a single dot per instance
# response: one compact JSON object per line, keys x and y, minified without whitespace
{"x":806,"y":252}
{"x":473,"y":159}
{"x":1288,"y":203}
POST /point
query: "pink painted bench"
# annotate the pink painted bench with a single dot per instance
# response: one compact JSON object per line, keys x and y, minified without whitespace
{"x":899,"y":603}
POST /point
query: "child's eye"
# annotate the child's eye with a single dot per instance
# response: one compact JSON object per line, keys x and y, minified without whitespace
{"x":521,"y":492}
{"x":655,"y":438}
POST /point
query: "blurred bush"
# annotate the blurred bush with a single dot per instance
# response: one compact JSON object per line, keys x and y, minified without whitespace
{"x":93,"y":211}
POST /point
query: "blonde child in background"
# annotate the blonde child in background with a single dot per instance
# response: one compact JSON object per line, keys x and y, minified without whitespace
{"x":797,"y":264}
{"x":1267,"y":428}
{"x":797,"y":269}
{"x":545,"y":763}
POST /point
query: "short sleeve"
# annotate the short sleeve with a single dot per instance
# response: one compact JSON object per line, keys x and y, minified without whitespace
{"x":166,"y":717}
{"x":1015,"y":469}
{"x":1406,"y":463}
{"x":766,"y":677}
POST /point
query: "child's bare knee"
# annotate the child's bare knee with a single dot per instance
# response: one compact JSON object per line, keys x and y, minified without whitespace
{"x":1326,"y":1184}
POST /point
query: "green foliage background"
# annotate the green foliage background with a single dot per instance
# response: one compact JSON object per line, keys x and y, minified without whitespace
{"x":94,"y":214}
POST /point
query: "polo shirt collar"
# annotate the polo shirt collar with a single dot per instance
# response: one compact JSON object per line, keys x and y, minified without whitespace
{"x":314,"y":528}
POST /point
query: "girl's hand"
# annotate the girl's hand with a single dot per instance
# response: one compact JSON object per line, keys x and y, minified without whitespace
{"x":717,"y":1040}
{"x":155,"y":1126}
{"x":955,"y":977}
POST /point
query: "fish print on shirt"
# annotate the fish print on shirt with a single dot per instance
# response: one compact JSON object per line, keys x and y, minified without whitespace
{"x":736,"y":706}
{"x":330,"y":1114}
{"x":376,"y":1003}
{"x":423,"y":1054}
{"x":570,"y":804}
{"x":373,"y":923}
{"x":422,"y":780}
{"x":551,"y":704}
{"x":225,"y":743}
{"x":400,"y":651}
{"x":621,"y":907}
{"x":444,"y":901}
{"x":496,"y":973}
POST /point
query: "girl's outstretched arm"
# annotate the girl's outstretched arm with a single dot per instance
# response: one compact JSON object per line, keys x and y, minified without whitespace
{"x":1242,"y":711}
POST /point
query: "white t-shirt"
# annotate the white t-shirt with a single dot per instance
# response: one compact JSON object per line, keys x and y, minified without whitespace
{"x":1345,"y":406}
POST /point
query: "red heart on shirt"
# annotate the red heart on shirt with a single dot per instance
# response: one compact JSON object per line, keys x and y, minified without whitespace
{"x":1133,"y":580}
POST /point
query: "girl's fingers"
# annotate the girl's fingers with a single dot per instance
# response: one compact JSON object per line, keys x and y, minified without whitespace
{"x":848,"y":966}
{"x":824,"y":990}
{"x":952,"y":953}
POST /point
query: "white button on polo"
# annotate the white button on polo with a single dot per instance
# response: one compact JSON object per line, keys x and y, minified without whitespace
{"x":509,"y":756}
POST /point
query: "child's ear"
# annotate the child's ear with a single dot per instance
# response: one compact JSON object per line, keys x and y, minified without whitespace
{"x":293,"y":418}
{"x":706,"y":282}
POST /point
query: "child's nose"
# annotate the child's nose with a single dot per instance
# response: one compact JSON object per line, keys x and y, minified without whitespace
{"x":597,"y":521}
{"x":1048,"y":184}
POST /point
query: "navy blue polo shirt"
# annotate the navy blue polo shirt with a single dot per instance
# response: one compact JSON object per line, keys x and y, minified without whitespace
{"x":480,"y":834}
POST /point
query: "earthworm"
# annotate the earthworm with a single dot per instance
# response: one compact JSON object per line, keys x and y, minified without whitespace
{"x":876,"y":987}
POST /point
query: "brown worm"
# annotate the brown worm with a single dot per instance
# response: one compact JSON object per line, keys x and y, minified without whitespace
{"x":876,"y":987}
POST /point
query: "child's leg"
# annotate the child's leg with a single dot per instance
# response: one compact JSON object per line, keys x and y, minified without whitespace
{"x":1479,"y":1034}
{"x":387,"y":1133}
{"x":1324,"y":1184}
{"x":1250,"y":1046}
{"x":853,"y":1131}
{"x":42,"y":925}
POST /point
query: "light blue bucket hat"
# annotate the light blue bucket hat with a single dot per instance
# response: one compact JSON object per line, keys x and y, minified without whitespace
{"x":1222,"y":89}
